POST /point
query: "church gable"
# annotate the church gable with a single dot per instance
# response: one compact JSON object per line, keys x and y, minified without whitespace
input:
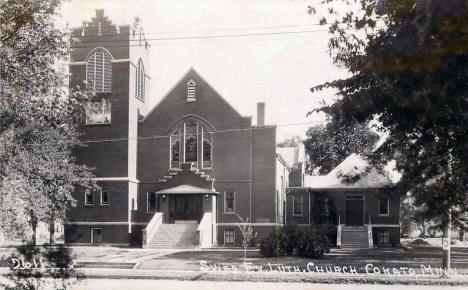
{"x":193,"y":96}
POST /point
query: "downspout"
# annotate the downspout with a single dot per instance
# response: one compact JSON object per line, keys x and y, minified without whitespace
{"x":251,"y":172}
{"x":309,"y":204}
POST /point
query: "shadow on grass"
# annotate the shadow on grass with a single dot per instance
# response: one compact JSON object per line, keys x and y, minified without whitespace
{"x":33,"y":267}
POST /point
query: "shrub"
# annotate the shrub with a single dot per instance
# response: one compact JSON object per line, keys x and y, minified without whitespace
{"x":304,"y":241}
{"x":311,"y":243}
{"x":269,"y":244}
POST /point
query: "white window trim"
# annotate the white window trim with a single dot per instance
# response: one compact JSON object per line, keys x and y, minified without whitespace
{"x":86,"y":199}
{"x":293,"y":206}
{"x":102,"y":191}
{"x":234,"y":201}
{"x":388,"y":208}
{"x":234,"y":236}
{"x":92,"y":229}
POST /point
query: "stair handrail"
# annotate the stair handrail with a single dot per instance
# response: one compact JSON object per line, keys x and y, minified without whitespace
{"x":369,"y":233}
{"x":151,"y":228}
{"x":338,"y":233}
{"x":205,"y":231}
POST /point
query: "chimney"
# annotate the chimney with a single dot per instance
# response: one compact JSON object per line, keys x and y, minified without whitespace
{"x":260,"y":114}
{"x":99,"y":13}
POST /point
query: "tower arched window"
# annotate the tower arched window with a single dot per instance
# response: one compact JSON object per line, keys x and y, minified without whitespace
{"x":99,"y":71}
{"x":140,"y":81}
{"x":191,"y":141}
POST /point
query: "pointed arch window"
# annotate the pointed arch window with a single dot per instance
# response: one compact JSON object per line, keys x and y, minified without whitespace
{"x":99,"y":71}
{"x":191,"y":144}
{"x":191,"y":141}
{"x":140,"y":81}
{"x":175,"y":147}
{"x":206,"y":149}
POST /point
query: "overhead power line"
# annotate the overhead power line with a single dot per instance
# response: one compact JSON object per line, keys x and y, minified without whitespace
{"x":175,"y":135}
{"x":214,"y":30}
{"x":199,"y":37}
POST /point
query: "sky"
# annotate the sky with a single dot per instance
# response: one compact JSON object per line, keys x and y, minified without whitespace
{"x":278,"y":69}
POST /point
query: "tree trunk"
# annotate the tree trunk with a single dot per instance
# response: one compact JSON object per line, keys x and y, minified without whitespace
{"x":423,"y":232}
{"x":461,"y":234}
{"x":34,"y":229}
{"x":52,"y":233}
{"x":446,"y":237}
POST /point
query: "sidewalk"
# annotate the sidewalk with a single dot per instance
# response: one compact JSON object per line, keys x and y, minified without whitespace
{"x":241,"y":276}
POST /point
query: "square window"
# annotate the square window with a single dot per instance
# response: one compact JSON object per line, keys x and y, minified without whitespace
{"x":89,"y":197}
{"x":229,"y":237}
{"x":297,"y":205}
{"x":104,"y":197}
{"x":229,"y":201}
{"x":383,"y":237}
{"x":383,"y":206}
{"x":99,"y":112}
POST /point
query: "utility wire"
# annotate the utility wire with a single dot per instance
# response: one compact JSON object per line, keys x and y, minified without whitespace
{"x":223,"y":36}
{"x":177,"y":135}
{"x":211,"y":30}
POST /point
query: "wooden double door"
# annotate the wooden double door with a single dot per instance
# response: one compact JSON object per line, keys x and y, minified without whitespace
{"x":354,"y":210}
{"x":187,"y":207}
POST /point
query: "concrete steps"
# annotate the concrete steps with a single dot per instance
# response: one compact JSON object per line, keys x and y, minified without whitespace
{"x":174,"y":236}
{"x":354,"y":237}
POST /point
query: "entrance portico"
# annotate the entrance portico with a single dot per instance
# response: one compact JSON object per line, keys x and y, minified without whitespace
{"x":185,"y":203}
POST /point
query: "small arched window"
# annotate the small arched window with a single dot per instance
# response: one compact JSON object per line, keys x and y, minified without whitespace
{"x":185,"y":142}
{"x":140,"y":81}
{"x":99,"y":71}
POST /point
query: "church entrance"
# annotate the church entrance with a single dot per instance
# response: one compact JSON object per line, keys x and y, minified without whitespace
{"x":354,"y":210}
{"x":185,"y":208}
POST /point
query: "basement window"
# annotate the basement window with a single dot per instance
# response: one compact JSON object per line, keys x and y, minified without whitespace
{"x":229,"y":236}
{"x":383,"y":237}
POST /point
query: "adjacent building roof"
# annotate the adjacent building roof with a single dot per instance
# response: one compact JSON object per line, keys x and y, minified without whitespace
{"x":352,"y":166}
{"x":187,"y":189}
{"x":287,"y":153}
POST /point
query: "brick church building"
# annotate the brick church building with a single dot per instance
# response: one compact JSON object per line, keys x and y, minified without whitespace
{"x":182,"y":173}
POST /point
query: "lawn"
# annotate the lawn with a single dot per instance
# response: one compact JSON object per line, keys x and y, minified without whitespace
{"x":358,"y":258}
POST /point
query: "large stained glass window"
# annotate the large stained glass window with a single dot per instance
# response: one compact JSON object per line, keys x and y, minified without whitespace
{"x":175,"y":148}
{"x":206,"y":154}
{"x":184,"y":145}
{"x":191,"y":142}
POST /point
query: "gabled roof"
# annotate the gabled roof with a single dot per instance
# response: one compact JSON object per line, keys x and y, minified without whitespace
{"x":191,"y":74}
{"x":352,"y":165}
{"x":187,"y":189}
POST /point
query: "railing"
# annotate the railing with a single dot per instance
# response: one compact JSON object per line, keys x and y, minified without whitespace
{"x":338,"y":233}
{"x":205,"y":231}
{"x":369,"y":233}
{"x":151,"y":228}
